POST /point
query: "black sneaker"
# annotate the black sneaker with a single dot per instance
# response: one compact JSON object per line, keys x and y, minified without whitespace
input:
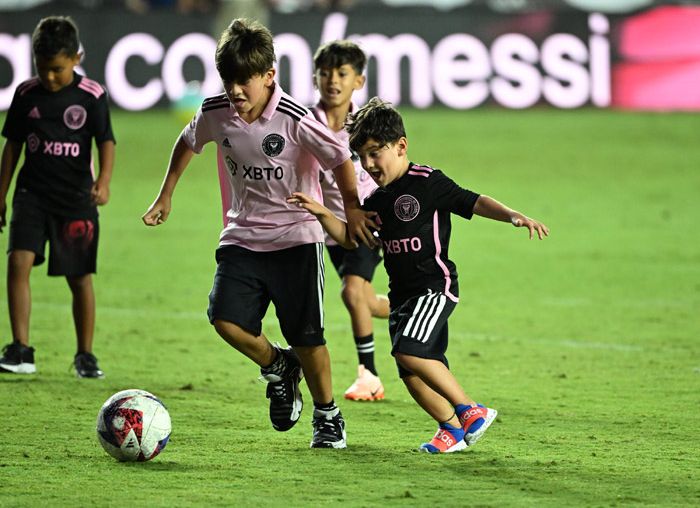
{"x":329,"y":431}
{"x":86,"y":366}
{"x":17,"y":359}
{"x":283,"y":391}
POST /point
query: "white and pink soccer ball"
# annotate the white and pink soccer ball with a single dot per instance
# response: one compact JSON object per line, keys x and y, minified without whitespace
{"x":133,"y":425}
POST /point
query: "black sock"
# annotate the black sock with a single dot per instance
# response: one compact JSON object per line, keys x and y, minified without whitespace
{"x":365,"y":352}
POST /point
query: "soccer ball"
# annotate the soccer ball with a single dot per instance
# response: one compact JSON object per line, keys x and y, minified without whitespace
{"x":133,"y":425}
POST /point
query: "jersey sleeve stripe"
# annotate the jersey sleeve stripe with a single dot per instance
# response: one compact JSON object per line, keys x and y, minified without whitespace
{"x":419,"y":172}
{"x":91,"y":87}
{"x":27,"y":85}
{"x":293,"y":114}
{"x":294,"y":106}
{"x":216,"y":105}
{"x":215,"y":98}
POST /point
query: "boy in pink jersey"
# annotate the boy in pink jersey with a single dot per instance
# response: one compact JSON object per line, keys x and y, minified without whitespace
{"x":338,"y":72}
{"x":269,"y":251}
{"x":413,"y":205}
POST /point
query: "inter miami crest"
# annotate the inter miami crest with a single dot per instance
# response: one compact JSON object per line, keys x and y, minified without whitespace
{"x":272,"y":145}
{"x":406,"y":207}
{"x":74,"y":116}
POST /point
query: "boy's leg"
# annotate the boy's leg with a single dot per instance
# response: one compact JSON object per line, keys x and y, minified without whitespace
{"x":85,"y":362}
{"x":17,"y":357}
{"x":437,"y":376}
{"x":83,"y":310}
{"x":316,"y":364}
{"x":238,"y":302}
{"x":378,"y":304}
{"x":257,"y":348}
{"x":19,"y":267}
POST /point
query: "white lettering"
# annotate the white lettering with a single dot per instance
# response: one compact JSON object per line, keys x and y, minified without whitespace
{"x":200,"y":46}
{"x":294,"y":48}
{"x":122,"y":91}
{"x":17,"y":51}
{"x":563,"y":58}
{"x":460,"y":69}
{"x":518,"y":82}
{"x":600,"y":60}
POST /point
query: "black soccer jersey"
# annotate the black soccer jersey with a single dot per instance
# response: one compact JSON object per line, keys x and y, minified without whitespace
{"x":57,"y":129}
{"x":414,"y":215}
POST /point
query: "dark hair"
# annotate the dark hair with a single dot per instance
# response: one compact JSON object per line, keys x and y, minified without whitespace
{"x":376,"y":120}
{"x":245,"y":49}
{"x":54,"y":35}
{"x":335,"y":54}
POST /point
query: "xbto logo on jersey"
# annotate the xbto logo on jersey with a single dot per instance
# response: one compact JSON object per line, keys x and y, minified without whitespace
{"x":406,"y":207}
{"x":272,"y":145}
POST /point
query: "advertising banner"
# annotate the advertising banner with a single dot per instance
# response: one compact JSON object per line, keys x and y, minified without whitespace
{"x":419,"y":56}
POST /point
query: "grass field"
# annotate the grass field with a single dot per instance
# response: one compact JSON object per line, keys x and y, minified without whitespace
{"x":587,"y":343}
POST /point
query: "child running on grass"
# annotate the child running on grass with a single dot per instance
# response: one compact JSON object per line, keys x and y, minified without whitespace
{"x":269,"y":145}
{"x":56,"y":114}
{"x":338,"y":72}
{"x":412,"y":209}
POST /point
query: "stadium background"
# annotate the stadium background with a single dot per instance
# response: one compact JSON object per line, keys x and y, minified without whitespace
{"x":587,"y":343}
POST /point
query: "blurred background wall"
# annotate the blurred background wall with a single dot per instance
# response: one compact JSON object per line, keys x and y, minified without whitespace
{"x":631,"y":54}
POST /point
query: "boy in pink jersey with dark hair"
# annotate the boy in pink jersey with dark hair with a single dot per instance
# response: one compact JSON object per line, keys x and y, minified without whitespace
{"x":413,"y":205}
{"x":338,"y":72}
{"x":57,"y":115}
{"x":269,"y":251}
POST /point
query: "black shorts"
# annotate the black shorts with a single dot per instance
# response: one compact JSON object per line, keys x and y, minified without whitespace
{"x":418,"y":327}
{"x":361,"y":261}
{"x":72,"y":241}
{"x":292,"y":279}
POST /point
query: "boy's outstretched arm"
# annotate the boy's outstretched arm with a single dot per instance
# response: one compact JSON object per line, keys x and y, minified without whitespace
{"x":100,"y":189}
{"x":491,"y":209}
{"x":10,"y":157}
{"x":158,"y":212}
{"x":358,"y":222}
{"x":336,"y":228}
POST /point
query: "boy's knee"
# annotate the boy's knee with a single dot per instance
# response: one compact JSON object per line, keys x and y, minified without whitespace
{"x":353,"y":294}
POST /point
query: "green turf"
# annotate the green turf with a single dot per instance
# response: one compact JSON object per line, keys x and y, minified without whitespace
{"x":587,"y":343}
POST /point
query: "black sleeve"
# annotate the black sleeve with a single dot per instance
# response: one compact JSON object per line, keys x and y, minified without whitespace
{"x":450,"y":196}
{"x":15,"y":126}
{"x":100,"y":120}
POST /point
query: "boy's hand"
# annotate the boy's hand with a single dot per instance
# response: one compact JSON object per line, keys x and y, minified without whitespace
{"x":99,"y":193}
{"x":359,"y":224}
{"x":307,"y":203}
{"x":158,"y":212}
{"x":521,"y":221}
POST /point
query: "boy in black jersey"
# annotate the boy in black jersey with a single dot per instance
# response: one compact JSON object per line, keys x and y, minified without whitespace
{"x":56,"y":115}
{"x":412,"y":208}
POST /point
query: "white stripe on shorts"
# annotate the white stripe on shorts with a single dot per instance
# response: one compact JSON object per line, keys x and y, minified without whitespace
{"x":321,"y":279}
{"x":425,"y":315}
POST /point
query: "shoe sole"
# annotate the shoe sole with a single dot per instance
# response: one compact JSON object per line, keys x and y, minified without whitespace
{"x":471,"y":439}
{"x":22,"y":368}
{"x":367,"y":398}
{"x":336,"y":444}
{"x":428,"y":448}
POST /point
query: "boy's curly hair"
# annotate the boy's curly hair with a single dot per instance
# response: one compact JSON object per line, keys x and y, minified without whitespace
{"x":377,"y":120}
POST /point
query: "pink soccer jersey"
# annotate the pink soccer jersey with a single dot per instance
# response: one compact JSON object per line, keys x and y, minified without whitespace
{"x":331,"y":195}
{"x":261,"y":164}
